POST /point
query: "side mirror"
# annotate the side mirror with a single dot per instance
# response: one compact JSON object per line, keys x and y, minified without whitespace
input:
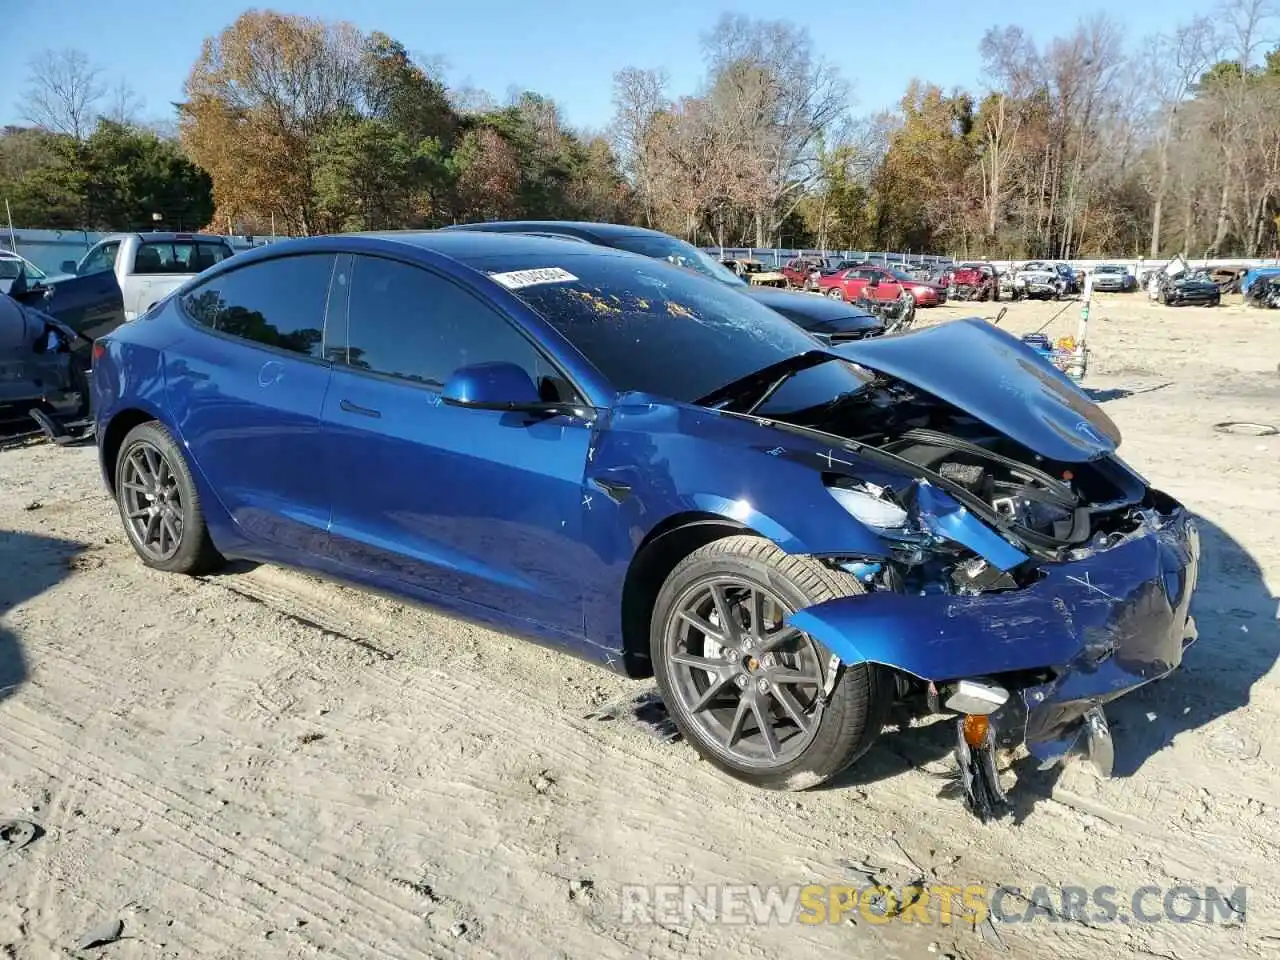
{"x":68,"y":266}
{"x":492,"y":386}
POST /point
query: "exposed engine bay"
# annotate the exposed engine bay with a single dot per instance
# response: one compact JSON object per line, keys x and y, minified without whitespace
{"x":1052,"y":510}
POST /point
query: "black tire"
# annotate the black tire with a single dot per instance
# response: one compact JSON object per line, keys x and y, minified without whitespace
{"x":840,"y":730}
{"x":194,"y":552}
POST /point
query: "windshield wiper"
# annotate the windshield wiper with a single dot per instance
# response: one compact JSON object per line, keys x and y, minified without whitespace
{"x":751,"y":392}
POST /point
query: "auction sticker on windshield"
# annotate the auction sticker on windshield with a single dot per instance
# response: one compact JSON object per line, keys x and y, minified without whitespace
{"x":530,"y":278}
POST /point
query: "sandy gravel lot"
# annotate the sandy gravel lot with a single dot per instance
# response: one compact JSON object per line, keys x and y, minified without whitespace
{"x":263,"y":765}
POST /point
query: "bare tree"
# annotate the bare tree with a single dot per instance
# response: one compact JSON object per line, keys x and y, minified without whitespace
{"x":63,"y":92}
{"x":123,"y":106}
{"x":468,"y":100}
{"x":638,"y":97}
{"x":777,"y":102}
{"x":1171,"y":64}
{"x":1244,"y":22}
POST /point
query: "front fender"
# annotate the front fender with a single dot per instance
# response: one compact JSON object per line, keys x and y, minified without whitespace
{"x":673,"y":460}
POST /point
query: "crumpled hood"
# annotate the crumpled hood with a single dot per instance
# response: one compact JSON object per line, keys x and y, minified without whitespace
{"x":994,"y":377}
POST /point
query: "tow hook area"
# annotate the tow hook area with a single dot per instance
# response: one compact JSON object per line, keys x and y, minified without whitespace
{"x":1098,"y":745}
{"x":976,"y":756}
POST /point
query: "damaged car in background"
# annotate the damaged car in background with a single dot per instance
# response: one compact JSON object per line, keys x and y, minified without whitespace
{"x":1264,"y":291}
{"x":1042,"y":280}
{"x":974,"y":281}
{"x":1177,"y":285}
{"x":44,"y":386}
{"x":791,"y":536}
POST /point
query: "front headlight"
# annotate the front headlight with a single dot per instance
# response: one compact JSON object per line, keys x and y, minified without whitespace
{"x":868,"y":506}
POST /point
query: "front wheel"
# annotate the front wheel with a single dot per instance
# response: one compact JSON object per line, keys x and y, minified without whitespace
{"x":835,"y":293}
{"x":746,"y":689}
{"x":160,"y":505}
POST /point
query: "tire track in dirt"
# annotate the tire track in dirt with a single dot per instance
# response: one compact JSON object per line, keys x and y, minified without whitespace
{"x":583,"y":755}
{"x":197,"y":833}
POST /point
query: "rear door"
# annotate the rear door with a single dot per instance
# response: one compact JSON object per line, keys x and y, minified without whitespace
{"x":246,"y":388}
{"x":475,"y":507}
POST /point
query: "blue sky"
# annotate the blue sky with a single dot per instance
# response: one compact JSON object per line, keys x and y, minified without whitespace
{"x":568,"y":49}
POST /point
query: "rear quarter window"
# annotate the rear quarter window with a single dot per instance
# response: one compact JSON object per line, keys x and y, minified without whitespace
{"x":280,"y":302}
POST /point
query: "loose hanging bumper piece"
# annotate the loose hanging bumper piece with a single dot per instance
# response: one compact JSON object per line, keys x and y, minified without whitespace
{"x":976,"y":755}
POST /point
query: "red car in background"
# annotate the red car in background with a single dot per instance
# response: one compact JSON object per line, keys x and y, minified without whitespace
{"x":975,"y":281}
{"x":797,"y":271}
{"x":879,"y":283}
{"x":926,"y":292}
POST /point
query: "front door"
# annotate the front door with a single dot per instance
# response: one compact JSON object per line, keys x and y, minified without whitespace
{"x":90,"y":305}
{"x":475,"y":507}
{"x":248,"y":394}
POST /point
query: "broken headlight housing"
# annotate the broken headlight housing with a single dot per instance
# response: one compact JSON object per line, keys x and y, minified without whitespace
{"x":922,"y":560}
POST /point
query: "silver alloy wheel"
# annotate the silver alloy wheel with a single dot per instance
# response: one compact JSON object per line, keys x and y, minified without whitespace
{"x":750,"y":683}
{"x":152,"y":502}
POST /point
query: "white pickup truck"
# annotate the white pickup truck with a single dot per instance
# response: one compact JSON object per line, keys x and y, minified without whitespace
{"x":149,"y":266}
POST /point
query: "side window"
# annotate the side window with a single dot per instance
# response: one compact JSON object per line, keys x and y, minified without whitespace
{"x":100,"y":260}
{"x":207,"y":254}
{"x":278,"y":303}
{"x":181,"y":257}
{"x":162,"y":258}
{"x":409,"y":323}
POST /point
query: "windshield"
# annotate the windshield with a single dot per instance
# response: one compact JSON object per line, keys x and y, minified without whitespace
{"x":674,"y":334}
{"x":1110,"y":268}
{"x":680,"y":253}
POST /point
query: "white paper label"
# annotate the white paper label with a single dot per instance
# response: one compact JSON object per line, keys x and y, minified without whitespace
{"x":529,"y":278}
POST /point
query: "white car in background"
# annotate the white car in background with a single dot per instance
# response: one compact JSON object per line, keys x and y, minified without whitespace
{"x":13,"y":266}
{"x":150,"y":266}
{"x":1038,"y":279}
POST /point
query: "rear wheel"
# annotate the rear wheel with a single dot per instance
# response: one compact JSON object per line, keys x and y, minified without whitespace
{"x":160,"y":505}
{"x":746,"y":689}
{"x":835,"y":293}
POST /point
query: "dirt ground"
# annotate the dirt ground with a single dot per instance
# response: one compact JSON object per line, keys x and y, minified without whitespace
{"x":259,"y":764}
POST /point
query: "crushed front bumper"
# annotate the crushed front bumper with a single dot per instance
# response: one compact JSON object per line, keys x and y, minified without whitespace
{"x":1099,"y":627}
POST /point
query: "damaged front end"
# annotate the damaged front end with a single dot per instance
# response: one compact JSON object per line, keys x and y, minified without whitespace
{"x":1029,"y":576}
{"x":1045,"y":645}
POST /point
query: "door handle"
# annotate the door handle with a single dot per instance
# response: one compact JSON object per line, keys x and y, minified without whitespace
{"x":350,"y":407}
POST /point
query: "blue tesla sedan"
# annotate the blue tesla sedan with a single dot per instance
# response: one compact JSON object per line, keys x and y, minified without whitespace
{"x":610,"y":454}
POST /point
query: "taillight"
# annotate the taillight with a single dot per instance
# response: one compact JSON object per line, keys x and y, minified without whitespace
{"x":99,"y":348}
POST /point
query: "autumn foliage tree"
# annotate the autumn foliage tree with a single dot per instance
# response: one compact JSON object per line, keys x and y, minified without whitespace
{"x":316,"y":127}
{"x":1090,"y":143}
